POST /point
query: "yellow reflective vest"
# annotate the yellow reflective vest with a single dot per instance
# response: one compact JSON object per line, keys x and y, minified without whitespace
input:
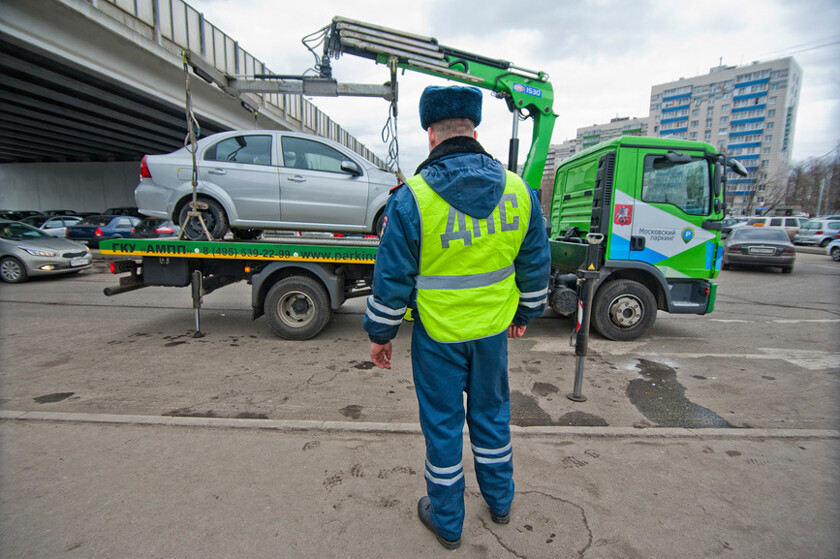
{"x":466,"y":288}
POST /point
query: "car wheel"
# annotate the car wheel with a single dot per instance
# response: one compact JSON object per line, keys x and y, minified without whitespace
{"x":825,"y":242}
{"x":297,"y":308}
{"x":835,"y":254}
{"x":214,"y":218}
{"x":725,"y":265}
{"x":12,"y":270}
{"x":246,"y":234}
{"x":623,"y":310}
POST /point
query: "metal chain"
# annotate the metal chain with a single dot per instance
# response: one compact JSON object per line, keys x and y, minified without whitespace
{"x":192,"y":147}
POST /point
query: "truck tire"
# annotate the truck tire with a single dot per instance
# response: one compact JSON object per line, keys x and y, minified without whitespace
{"x":623,"y":310}
{"x":297,"y":308}
{"x":214,"y":218}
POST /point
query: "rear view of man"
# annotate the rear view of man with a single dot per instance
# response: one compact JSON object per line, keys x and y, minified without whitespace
{"x":465,"y":248}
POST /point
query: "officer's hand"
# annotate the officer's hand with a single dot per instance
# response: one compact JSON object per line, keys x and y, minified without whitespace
{"x":381,"y":355}
{"x":515,"y":331}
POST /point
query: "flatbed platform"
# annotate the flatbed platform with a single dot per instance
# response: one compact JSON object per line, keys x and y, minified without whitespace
{"x":296,"y":249}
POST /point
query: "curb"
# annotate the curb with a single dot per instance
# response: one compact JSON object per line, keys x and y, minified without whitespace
{"x":414,"y":429}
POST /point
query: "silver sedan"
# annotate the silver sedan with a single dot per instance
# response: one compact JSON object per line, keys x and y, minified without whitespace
{"x":250,"y":181}
{"x":26,"y":251}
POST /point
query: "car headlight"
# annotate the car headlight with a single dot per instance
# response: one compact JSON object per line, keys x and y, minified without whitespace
{"x":39,"y":252}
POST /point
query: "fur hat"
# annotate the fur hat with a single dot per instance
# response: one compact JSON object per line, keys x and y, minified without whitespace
{"x":440,"y":103}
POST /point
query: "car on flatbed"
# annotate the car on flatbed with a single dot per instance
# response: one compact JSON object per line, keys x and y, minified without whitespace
{"x":250,"y":181}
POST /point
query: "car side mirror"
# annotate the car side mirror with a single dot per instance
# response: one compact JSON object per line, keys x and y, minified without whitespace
{"x":351,"y":167}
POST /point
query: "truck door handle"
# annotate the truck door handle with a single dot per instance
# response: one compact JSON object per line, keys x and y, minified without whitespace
{"x":297,"y":178}
{"x":217,"y":172}
{"x":637,"y":243}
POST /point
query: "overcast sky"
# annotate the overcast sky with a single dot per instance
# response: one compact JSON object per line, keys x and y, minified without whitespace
{"x":602,"y":56}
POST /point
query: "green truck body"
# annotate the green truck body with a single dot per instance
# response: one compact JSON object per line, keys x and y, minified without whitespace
{"x":657,"y":203}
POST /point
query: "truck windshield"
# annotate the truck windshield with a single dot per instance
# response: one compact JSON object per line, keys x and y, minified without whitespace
{"x":685,"y":185}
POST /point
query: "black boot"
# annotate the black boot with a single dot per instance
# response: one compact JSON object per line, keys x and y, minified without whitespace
{"x":424,"y":511}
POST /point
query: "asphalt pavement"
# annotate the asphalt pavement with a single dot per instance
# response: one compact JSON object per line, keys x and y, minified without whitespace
{"x":122,"y":436}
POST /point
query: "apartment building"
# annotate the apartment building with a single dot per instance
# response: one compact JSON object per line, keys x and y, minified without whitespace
{"x":748,"y":112}
{"x":588,"y":136}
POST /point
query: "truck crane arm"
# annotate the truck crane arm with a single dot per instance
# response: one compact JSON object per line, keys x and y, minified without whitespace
{"x":526,"y":92}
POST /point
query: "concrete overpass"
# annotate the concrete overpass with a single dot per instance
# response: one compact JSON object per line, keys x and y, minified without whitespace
{"x":88,"y":88}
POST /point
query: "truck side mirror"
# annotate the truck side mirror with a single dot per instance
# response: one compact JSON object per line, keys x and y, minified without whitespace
{"x":677,"y":158}
{"x":736,"y":166}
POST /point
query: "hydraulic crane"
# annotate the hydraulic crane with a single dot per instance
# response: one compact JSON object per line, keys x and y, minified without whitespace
{"x":528,"y":93}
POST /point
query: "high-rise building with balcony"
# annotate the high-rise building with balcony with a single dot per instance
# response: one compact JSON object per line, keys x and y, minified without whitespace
{"x":748,"y":112}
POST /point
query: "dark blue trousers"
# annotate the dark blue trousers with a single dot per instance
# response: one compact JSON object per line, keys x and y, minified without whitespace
{"x":443,"y":373}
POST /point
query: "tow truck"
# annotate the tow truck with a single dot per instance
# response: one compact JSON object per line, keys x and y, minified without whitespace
{"x":634,"y":224}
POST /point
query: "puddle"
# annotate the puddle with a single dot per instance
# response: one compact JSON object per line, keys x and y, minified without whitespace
{"x":353,"y":411}
{"x":52,"y":398}
{"x":661,"y":399}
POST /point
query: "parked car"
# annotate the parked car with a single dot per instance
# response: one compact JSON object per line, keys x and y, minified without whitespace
{"x":818,"y":232}
{"x":791,"y":225}
{"x":730,"y":223}
{"x":153,"y":227}
{"x":95,"y":228}
{"x":17,"y":215}
{"x":26,"y":251}
{"x":759,"y":246}
{"x":266,"y":179}
{"x":125,"y":210}
{"x":52,"y":225}
{"x":833,"y":249}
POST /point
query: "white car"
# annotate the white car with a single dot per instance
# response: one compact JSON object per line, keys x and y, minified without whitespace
{"x":833,"y":250}
{"x":52,"y":225}
{"x":253,"y":180}
{"x":790,"y":224}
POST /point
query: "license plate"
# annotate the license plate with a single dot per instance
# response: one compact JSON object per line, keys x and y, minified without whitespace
{"x":79,"y":261}
{"x":761,"y":250}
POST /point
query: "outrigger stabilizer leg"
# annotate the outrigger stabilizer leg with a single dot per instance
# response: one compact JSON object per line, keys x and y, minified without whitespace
{"x":588,"y":276}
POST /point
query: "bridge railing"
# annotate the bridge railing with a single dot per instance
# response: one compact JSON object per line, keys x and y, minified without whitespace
{"x":176,"y":23}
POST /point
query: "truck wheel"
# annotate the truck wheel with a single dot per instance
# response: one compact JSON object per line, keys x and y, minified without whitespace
{"x":297,"y":308}
{"x":214,"y":218}
{"x":12,"y":270}
{"x":623,"y":310}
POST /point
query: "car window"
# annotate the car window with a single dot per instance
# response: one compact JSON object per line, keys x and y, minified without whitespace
{"x":834,"y":225}
{"x":756,"y":220}
{"x":124,"y":222}
{"x":776,"y":222}
{"x":20,"y":231}
{"x":35,"y":221}
{"x":759,"y":234}
{"x":791,"y":222}
{"x":686,"y":186}
{"x":98,"y":220}
{"x":253,"y":149}
{"x":301,"y":153}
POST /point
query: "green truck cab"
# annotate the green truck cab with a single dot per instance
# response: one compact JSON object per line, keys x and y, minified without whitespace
{"x":655,"y":205}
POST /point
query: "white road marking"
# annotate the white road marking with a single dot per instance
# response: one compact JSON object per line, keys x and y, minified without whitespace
{"x":812,"y":360}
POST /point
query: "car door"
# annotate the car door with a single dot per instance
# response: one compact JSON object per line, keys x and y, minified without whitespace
{"x":241,"y":166}
{"x":314,"y":190}
{"x":123,"y":227}
{"x":675,"y":201}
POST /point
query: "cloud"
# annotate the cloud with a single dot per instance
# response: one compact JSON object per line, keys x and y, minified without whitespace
{"x":603,"y":56}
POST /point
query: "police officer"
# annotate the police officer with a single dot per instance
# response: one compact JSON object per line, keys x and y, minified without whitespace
{"x":464,"y":247}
